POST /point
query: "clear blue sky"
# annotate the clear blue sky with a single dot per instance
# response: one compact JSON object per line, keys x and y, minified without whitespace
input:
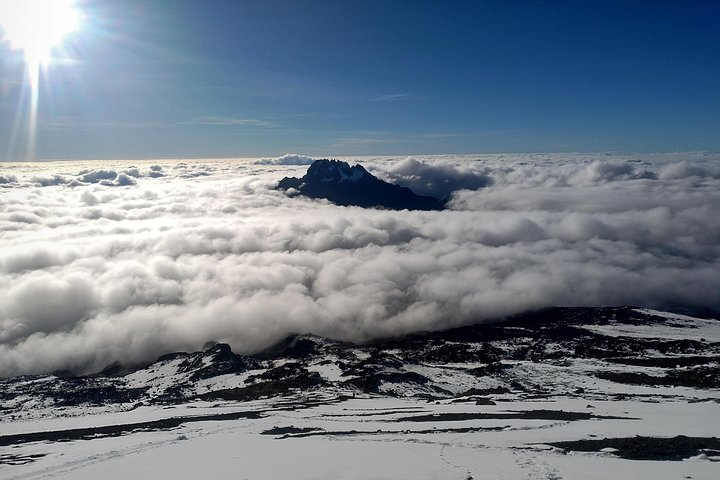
{"x":165,"y":78}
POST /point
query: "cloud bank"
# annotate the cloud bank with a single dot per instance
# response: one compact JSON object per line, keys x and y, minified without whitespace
{"x":108,"y":178}
{"x":439,"y":181}
{"x":91,"y":273}
{"x":287,"y":159}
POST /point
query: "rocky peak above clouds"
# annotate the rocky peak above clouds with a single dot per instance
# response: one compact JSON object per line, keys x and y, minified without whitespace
{"x":344,"y":185}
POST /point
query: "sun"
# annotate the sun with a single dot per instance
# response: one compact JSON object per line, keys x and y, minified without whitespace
{"x":37,"y":27}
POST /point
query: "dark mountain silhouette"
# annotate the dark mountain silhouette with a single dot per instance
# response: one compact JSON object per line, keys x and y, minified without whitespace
{"x":345,"y":185}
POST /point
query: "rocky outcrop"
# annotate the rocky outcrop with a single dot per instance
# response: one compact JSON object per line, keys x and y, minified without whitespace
{"x":344,"y":185}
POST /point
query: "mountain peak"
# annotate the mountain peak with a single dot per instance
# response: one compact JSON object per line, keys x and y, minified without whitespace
{"x":336,"y":171}
{"x":344,"y":185}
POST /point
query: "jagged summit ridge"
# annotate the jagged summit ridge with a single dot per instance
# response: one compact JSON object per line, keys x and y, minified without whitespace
{"x":344,"y":185}
{"x":335,"y":171}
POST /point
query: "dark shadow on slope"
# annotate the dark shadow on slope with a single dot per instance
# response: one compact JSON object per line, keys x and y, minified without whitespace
{"x":117,"y":430}
{"x":648,"y":448}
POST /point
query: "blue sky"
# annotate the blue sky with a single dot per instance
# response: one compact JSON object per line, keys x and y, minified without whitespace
{"x":155,"y":78}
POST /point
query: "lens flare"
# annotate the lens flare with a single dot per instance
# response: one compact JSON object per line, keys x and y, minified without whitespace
{"x":36,"y":28}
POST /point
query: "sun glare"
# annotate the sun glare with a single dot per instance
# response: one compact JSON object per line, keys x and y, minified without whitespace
{"x":36,"y":27}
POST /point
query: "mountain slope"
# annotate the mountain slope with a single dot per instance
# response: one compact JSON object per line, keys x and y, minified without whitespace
{"x":345,"y":185}
{"x":577,"y":351}
{"x":576,"y":393}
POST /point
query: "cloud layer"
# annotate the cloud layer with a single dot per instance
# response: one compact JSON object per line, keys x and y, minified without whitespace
{"x":439,"y":180}
{"x":96,"y":269}
{"x":287,"y":159}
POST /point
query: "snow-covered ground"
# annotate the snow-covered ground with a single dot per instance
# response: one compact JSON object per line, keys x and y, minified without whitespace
{"x":335,"y":430}
{"x":364,"y":438}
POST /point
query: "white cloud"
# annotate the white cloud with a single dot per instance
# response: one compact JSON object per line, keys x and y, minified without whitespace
{"x":231,"y":121}
{"x":95,"y":176}
{"x":210,"y":251}
{"x":155,"y":171}
{"x":287,"y":159}
{"x":122,"y":179}
{"x":601,"y":171}
{"x":686,"y":169}
{"x":111,"y":178}
{"x":42,"y":302}
{"x":439,"y":180}
{"x":390,"y":97}
{"x":47,"y":181}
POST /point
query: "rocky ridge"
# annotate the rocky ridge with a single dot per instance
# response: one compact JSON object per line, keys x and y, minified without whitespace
{"x":586,"y":352}
{"x":344,"y":185}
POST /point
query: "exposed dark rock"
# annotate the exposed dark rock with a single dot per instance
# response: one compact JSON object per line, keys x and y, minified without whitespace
{"x":345,"y":185}
{"x":699,"y":377}
{"x":11,"y":459}
{"x":664,"y":362}
{"x":456,"y":353}
{"x":98,"y":395}
{"x":478,"y":355}
{"x":117,"y":430}
{"x":290,"y":369}
{"x":293,"y":346}
{"x":303,"y":382}
{"x":372,"y":382}
{"x":486,"y":391}
{"x":526,"y":415}
{"x":648,"y":448}
{"x":489,"y":370}
{"x":289,"y":430}
{"x":223,"y":361}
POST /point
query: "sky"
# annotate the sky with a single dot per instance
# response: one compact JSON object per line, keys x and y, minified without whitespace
{"x":182,"y":79}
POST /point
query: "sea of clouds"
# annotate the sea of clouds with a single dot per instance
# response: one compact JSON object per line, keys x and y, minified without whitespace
{"x":125,"y":261}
